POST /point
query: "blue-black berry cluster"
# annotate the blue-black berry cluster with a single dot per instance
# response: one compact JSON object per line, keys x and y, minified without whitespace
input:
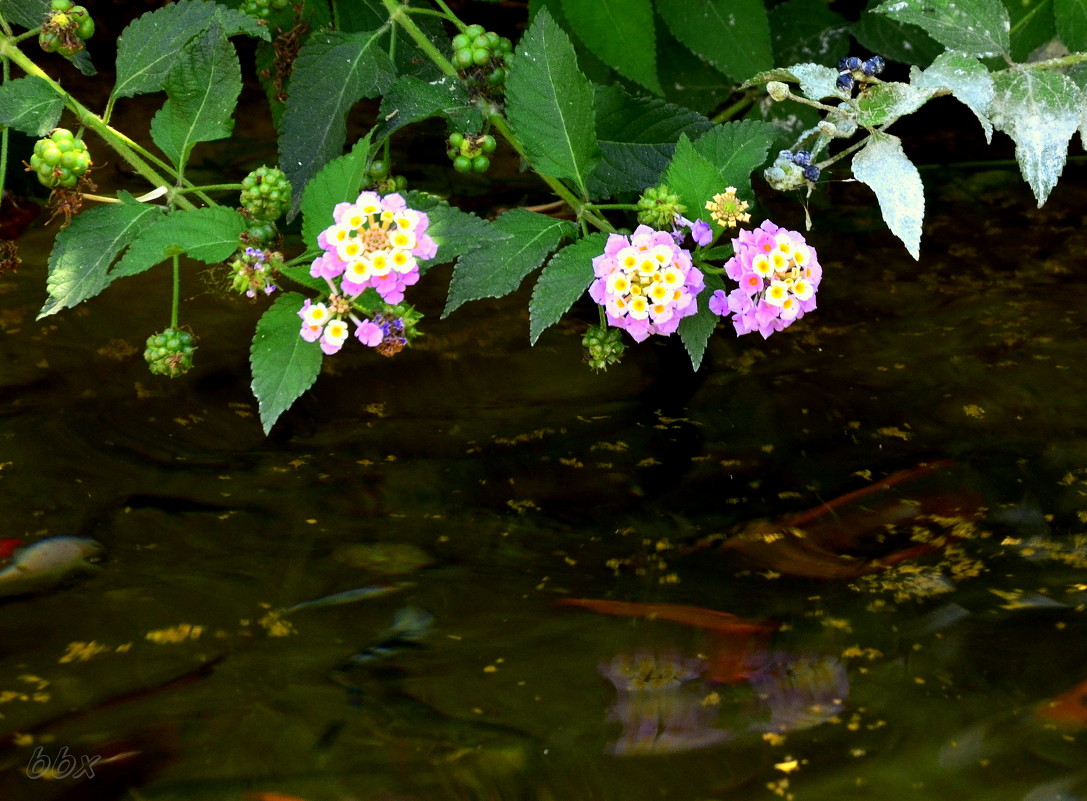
{"x":802,"y":159}
{"x":852,"y":70}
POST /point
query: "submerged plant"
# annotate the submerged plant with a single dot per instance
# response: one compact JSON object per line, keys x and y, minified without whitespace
{"x":334,"y":234}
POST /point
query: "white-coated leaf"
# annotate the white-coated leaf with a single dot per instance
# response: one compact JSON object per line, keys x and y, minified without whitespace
{"x":816,"y":81}
{"x":883,"y":166}
{"x":1040,"y":111}
{"x":978,"y":27}
{"x":883,"y":103}
{"x":968,"y":80}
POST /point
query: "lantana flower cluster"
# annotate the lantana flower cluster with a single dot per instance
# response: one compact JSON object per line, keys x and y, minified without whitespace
{"x":374,"y":243}
{"x":778,"y":275}
{"x":645,"y":282}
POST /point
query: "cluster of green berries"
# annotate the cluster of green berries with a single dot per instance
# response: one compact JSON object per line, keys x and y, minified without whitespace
{"x":65,"y":28}
{"x":852,"y":70}
{"x":170,"y":352}
{"x":470,"y":153}
{"x":603,"y":347}
{"x":482,"y":59}
{"x":262,"y":9}
{"x":266,"y":194}
{"x":658,"y":207}
{"x":382,"y":181}
{"x":60,"y":159}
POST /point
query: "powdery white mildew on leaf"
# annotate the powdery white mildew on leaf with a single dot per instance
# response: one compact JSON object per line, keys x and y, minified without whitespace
{"x":883,"y":166}
{"x":816,"y":81}
{"x":1040,"y":111}
{"x":968,"y":80}
{"x":978,"y":27}
{"x":884,"y":103}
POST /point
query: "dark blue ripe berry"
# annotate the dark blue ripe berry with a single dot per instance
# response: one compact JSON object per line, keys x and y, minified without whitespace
{"x":802,"y":158}
{"x":845,"y":82}
{"x":849,"y":63}
{"x":811,"y":173}
{"x":873,"y":66}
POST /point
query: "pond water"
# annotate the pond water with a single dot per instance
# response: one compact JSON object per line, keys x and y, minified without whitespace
{"x":481,"y":483}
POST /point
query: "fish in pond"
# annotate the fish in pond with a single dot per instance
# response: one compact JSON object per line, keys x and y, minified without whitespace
{"x":410,"y":625}
{"x":349,"y":596}
{"x":48,"y":563}
{"x":1068,"y":710}
{"x":8,"y":547}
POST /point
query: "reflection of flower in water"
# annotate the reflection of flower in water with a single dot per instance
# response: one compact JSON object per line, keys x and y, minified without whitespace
{"x":801,"y":691}
{"x":660,"y":704}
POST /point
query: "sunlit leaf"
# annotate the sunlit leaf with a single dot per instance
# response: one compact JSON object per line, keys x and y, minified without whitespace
{"x":732,"y":35}
{"x":619,"y":33}
{"x":455,"y":232}
{"x":696,"y":329}
{"x":968,"y":80}
{"x":202,"y":91}
{"x":1040,"y":111}
{"x":339,"y":181}
{"x":736,"y":149}
{"x":694,"y":178}
{"x":499,"y":269}
{"x":284,"y":365}
{"x":30,"y":105}
{"x":549,"y":103}
{"x":637,"y":138}
{"x":209,"y":235}
{"x":564,"y":280}
{"x":86,"y":248}
{"x":883,"y":165}
{"x":332,"y":72}
{"x":977,"y":27}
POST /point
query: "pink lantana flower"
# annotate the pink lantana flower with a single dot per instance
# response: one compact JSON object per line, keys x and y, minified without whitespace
{"x":778,"y":274}
{"x":645,"y":282}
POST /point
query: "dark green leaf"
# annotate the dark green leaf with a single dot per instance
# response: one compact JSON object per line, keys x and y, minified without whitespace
{"x":209,"y":235}
{"x":736,"y":149}
{"x":807,"y":30}
{"x":688,"y":80}
{"x":411,"y":99}
{"x":549,"y":103}
{"x":977,"y":27}
{"x":148,"y":48}
{"x":1033,"y":26}
{"x":30,"y":105}
{"x":85,"y":249}
{"x":619,"y":33}
{"x":637,"y":138}
{"x":564,"y":280}
{"x":332,"y":72}
{"x":694,"y":178}
{"x":732,"y":35}
{"x":695,"y":330}
{"x":284,"y":365}
{"x":1040,"y":111}
{"x":339,"y":181}
{"x":883,"y":103}
{"x":202,"y":91}
{"x":455,"y":232}
{"x":895,"y":41}
{"x":497,"y":270}
{"x":1071,"y":19}
{"x":28,"y":13}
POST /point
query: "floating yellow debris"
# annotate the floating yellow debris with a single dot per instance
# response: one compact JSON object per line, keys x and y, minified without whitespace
{"x":788,"y":766}
{"x":179,"y":633}
{"x":82,"y":651}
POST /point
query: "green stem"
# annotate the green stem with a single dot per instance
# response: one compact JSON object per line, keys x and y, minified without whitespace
{"x":612,"y":206}
{"x":177,"y":291}
{"x":733,"y":110}
{"x":1056,"y":63}
{"x":210,"y":188}
{"x":399,"y":16}
{"x":124,"y":146}
{"x":6,"y":73}
{"x":448,"y":12}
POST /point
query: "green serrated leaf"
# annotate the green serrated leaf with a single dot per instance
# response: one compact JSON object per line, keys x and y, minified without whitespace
{"x":883,"y":103}
{"x":967,"y":79}
{"x":619,"y":33}
{"x":549,"y":103}
{"x":202,"y":91}
{"x":209,"y":235}
{"x":28,"y":13}
{"x":731,"y":35}
{"x":895,"y":41}
{"x":696,"y":329}
{"x":332,"y":72}
{"x":411,"y":99}
{"x":977,"y":27}
{"x":1071,"y":19}
{"x":497,"y":270}
{"x":637,"y":138}
{"x":30,"y":105}
{"x":883,"y":166}
{"x":1040,"y":111}
{"x":736,"y":149}
{"x":565,"y":279}
{"x":1032,"y":26}
{"x":816,"y":81}
{"x":284,"y":365}
{"x":455,"y":232}
{"x":807,"y":30}
{"x":148,"y":48}
{"x":86,"y":248}
{"x":694,"y":178}
{"x":339,"y":181}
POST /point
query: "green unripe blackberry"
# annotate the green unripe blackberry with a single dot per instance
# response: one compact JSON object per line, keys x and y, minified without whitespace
{"x":462,"y":164}
{"x":461,"y":41}
{"x":456,"y":139}
{"x":266,"y":194}
{"x":488,"y":144}
{"x":48,"y":41}
{"x":60,"y":159}
{"x":378,"y":170}
{"x":603,"y":347}
{"x":462,"y":59}
{"x":472,"y":31}
{"x":170,"y":352}
{"x":262,"y":233}
{"x":481,"y":164}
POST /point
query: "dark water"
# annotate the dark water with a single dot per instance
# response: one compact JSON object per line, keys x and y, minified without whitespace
{"x":520,"y":479}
